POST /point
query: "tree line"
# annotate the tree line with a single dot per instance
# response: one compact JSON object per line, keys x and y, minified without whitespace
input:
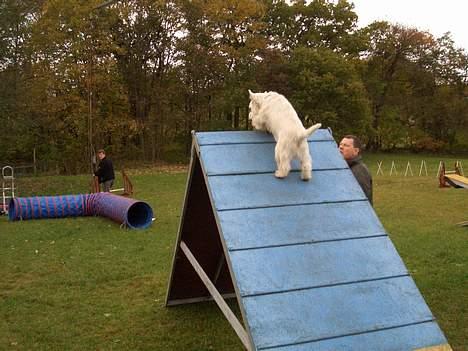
{"x":137,"y":76}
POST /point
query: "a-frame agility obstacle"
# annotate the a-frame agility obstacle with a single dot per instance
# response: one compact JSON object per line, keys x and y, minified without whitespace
{"x":310,"y":264}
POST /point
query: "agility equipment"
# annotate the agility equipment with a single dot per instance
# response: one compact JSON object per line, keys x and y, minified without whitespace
{"x":127,"y":212}
{"x":379,"y":168}
{"x":457,"y":181}
{"x":309,"y":263}
{"x":423,"y":167}
{"x":23,"y":208}
{"x":127,"y":190}
{"x":409,"y":170}
{"x":453,"y":178}
{"x":8,"y":187}
{"x":393,"y":168}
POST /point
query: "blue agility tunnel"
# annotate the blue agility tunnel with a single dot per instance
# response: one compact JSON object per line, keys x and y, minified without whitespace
{"x":128,"y":212}
{"x":310,"y":264}
{"x":48,"y":207}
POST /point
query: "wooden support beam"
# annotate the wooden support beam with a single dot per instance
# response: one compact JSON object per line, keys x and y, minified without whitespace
{"x":128,"y":186}
{"x":95,"y":185}
{"x":219,"y":268}
{"x":230,"y":316}
{"x":198,"y":299}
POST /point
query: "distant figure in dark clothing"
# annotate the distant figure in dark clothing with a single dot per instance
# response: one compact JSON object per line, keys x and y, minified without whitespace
{"x":105,"y":171}
{"x":350,"y":148}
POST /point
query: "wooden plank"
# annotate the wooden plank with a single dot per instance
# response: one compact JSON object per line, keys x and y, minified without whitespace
{"x":443,"y":347}
{"x":194,"y":164}
{"x":404,"y":338}
{"x":230,"y":316}
{"x":264,"y":190}
{"x":239,"y":158}
{"x":278,"y":226}
{"x":250,"y":137}
{"x":199,"y":230}
{"x":197,"y":300}
{"x":221,"y":264}
{"x":457,"y":180}
{"x":316,"y":314}
{"x":296,"y":267}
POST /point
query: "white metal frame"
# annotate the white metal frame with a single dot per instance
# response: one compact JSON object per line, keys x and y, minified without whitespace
{"x":8,"y":186}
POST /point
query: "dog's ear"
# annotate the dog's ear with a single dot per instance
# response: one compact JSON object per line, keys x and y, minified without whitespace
{"x":256,"y":98}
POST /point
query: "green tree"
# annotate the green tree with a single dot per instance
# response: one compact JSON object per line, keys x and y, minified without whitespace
{"x":392,"y":49}
{"x":236,"y":28}
{"x":328,"y":89}
{"x":145,"y":34}
{"x":406,"y":73}
{"x":202,"y":70}
{"x":138,"y":75}
{"x":447,"y":120}
{"x":318,"y":23}
{"x":16,"y":19}
{"x":72,"y":75}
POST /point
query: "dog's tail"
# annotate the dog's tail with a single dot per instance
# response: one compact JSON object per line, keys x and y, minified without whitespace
{"x":308,"y":132}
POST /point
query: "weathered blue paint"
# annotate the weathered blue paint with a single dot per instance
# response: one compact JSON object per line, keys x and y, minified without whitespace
{"x":250,"y":137}
{"x":240,"y":158}
{"x":407,"y":337}
{"x":314,"y":314}
{"x":327,"y":263}
{"x":311,"y":223}
{"x":264,"y":190}
{"x":312,"y":266}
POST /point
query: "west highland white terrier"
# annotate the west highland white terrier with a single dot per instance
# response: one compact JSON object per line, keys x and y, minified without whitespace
{"x":273,"y":113}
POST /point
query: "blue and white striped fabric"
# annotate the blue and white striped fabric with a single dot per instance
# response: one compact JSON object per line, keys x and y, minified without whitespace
{"x":128,"y":212}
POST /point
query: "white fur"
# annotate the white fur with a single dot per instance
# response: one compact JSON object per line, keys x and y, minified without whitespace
{"x":273,"y":113}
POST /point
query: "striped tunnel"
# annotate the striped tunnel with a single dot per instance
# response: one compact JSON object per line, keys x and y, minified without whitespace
{"x":132,"y":213}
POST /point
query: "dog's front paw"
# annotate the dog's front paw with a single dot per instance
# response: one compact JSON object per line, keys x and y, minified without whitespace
{"x":306,"y":176}
{"x":280,"y":175}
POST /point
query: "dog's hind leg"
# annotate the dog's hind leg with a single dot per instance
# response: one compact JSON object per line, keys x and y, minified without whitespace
{"x":306,"y":160}
{"x":283,"y":160}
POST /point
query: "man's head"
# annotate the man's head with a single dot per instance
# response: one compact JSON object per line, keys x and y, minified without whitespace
{"x":101,"y":154}
{"x":350,"y":147}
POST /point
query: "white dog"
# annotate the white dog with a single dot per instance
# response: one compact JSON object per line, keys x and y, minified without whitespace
{"x":272,"y":112}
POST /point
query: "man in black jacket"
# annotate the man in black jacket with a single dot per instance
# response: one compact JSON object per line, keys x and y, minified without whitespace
{"x":350,"y":148}
{"x":105,"y":171}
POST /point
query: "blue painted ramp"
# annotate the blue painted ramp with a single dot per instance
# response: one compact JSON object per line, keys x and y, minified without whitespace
{"x":310,"y":264}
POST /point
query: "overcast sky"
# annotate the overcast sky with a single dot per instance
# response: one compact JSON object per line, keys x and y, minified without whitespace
{"x":434,"y":16}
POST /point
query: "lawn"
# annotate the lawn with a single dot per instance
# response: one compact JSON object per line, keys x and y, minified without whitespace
{"x":85,"y":284}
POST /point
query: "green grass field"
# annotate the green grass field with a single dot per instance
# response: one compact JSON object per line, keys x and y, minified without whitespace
{"x":85,"y":284}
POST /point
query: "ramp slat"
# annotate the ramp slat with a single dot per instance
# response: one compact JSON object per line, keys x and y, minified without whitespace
{"x":308,"y":315}
{"x":406,"y":338}
{"x":250,"y":137}
{"x":262,"y":227}
{"x":239,"y":159}
{"x":264,"y":190}
{"x":280,"y":269}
